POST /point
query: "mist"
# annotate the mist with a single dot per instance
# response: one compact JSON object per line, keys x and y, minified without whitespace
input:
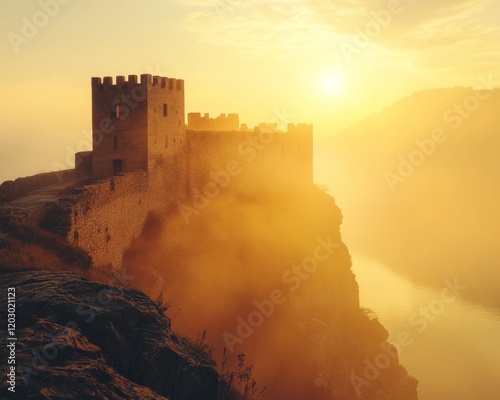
{"x":423,"y":175}
{"x":251,"y":255}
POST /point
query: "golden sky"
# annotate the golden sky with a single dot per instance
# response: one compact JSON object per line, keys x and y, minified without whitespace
{"x":329,"y":63}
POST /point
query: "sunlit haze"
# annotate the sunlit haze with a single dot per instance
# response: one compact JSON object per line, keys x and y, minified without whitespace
{"x":327,"y":63}
{"x":303,"y":195}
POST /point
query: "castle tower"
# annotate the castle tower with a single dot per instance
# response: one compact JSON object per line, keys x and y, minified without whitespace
{"x":135,"y":125}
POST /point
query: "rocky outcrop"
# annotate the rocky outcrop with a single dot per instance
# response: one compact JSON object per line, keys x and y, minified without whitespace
{"x":78,"y":339}
{"x":11,"y":190}
{"x":276,"y":287}
{"x":269,"y":276}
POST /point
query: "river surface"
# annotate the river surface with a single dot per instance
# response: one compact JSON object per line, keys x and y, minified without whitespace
{"x":451,"y":345}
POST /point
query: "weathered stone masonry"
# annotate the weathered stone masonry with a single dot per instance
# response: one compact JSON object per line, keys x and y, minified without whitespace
{"x":145,"y":159}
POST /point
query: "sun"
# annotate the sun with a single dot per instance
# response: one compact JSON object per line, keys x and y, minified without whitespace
{"x":332,"y":84}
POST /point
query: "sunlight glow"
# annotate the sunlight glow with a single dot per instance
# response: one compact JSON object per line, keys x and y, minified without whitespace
{"x":332,"y":84}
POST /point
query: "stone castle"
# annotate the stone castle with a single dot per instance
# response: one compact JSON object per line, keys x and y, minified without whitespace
{"x":146,"y":159}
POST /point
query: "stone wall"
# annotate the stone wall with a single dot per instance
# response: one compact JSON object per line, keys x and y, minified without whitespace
{"x":166,"y":124}
{"x":145,"y":160}
{"x":223,"y":122}
{"x":108,"y":214}
{"x":104,"y":217}
{"x":83,"y":164}
{"x":119,"y":121}
{"x":251,"y":160}
{"x":135,"y":123}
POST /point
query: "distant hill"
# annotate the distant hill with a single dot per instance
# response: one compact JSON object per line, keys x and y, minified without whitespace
{"x":419,"y":183}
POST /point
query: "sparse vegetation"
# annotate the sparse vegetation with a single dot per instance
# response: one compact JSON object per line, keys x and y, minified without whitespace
{"x":162,"y":304}
{"x":198,"y":347}
{"x":25,"y":248}
{"x":238,"y":384}
{"x":368,"y":312}
{"x":324,"y":188}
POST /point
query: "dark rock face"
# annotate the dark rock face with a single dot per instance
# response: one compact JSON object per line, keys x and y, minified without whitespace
{"x":78,"y":339}
{"x":78,"y":370}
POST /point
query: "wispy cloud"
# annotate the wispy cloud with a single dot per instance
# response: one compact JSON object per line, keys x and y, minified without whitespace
{"x":257,"y":26}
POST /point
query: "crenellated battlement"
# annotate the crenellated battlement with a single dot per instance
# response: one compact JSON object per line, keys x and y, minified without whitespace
{"x":300,"y":128}
{"x":223,"y":122}
{"x":137,"y":122}
{"x":230,"y":122}
{"x":146,"y":80}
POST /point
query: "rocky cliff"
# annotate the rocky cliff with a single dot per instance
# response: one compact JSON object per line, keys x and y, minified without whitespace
{"x":83,"y":340}
{"x":264,"y":274}
{"x":268,"y":275}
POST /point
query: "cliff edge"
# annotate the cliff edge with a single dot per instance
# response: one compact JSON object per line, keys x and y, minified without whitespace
{"x":79,"y":339}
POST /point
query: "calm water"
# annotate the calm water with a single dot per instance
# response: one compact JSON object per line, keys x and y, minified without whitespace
{"x":453,"y":347}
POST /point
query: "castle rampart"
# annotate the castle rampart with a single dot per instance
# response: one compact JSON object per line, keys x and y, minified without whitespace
{"x":145,"y":159}
{"x":222,"y":123}
{"x":263,"y":157}
{"x":108,"y":215}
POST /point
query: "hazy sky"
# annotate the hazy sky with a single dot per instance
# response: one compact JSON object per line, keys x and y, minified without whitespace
{"x":324,"y":62}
